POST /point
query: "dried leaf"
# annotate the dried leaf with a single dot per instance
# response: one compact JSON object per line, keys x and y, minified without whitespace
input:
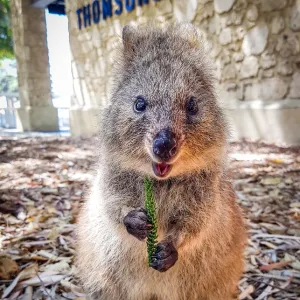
{"x":247,"y":292}
{"x":44,"y":279}
{"x":29,"y":272}
{"x":8,"y":268}
{"x":72,"y":287}
{"x":271,"y":181}
{"x":47,"y":254}
{"x":28,"y":293}
{"x":274,"y":228}
{"x":277,"y":160}
{"x":278,"y":265}
{"x":59,"y":268}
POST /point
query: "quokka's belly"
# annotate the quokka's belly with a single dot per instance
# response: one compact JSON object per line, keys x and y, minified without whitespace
{"x":119,"y":262}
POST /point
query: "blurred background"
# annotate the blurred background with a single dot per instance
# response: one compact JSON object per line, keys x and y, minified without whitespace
{"x":56,"y":60}
{"x":64,"y":54}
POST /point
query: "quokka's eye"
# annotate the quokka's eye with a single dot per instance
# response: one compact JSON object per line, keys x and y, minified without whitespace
{"x":140,"y":104}
{"x":192,"y":106}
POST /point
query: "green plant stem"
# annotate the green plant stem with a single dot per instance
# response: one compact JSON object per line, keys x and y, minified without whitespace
{"x":152,"y":219}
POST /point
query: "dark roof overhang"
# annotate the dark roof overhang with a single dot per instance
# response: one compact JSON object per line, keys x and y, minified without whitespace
{"x":54,"y":6}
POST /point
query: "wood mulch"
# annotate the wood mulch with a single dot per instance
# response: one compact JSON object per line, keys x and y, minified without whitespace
{"x":43,"y":181}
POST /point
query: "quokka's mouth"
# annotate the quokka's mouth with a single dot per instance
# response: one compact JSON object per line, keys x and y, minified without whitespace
{"x":161,"y":169}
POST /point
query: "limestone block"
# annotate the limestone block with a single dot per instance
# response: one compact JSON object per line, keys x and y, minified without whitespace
{"x":229,"y":72}
{"x":234,"y":18}
{"x":238,"y":33}
{"x":75,"y":73}
{"x":267,"y":60}
{"x":255,"y":40}
{"x":231,"y":86}
{"x":84,"y":121}
{"x":204,"y":1}
{"x":96,"y":37}
{"x":295,"y":17}
{"x":238,"y":56}
{"x":37,"y":119}
{"x":272,"y":5}
{"x":216,"y":49}
{"x":287,"y":45}
{"x":268,"y":89}
{"x":78,"y":99}
{"x":225,"y":58}
{"x":240,"y":5}
{"x":87,"y":47}
{"x":161,"y":8}
{"x":271,"y":46}
{"x":277,"y":24}
{"x":212,"y":26}
{"x":252,"y":13}
{"x":154,"y":10}
{"x":185,"y":11}
{"x":295,"y":86}
{"x":76,"y":47}
{"x":229,"y":93}
{"x":222,"y":19}
{"x":222,"y":6}
{"x":250,"y":24}
{"x":285,"y":68}
{"x":249,"y":67}
{"x":218,"y":73}
{"x":225,"y":36}
{"x":205,"y":12}
{"x":235,"y":47}
{"x":267,"y":73}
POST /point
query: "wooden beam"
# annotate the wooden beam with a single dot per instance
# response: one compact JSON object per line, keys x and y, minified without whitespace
{"x":41,"y":3}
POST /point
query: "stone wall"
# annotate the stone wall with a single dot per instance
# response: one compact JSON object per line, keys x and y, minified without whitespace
{"x":93,"y":55}
{"x":255,"y":45}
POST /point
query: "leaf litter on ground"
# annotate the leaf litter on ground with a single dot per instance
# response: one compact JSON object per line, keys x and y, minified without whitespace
{"x":43,"y":182}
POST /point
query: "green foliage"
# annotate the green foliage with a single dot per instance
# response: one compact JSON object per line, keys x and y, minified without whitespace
{"x":8,"y":77}
{"x":6,"y":41}
{"x":152,"y":218}
{"x":8,"y":84}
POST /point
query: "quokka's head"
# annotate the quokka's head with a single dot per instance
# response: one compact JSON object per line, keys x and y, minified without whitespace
{"x":164,"y":120}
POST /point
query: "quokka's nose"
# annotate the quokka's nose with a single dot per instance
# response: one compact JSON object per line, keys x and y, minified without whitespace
{"x":165,"y":145}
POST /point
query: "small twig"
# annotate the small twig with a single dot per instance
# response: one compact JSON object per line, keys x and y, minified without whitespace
{"x":281,"y":248}
{"x":272,"y":285}
{"x":277,"y":236}
{"x":5,"y":281}
{"x":43,"y":285}
{"x":281,"y":278}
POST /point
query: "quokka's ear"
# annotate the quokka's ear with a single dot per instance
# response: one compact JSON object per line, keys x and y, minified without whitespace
{"x":190,"y":33}
{"x":129,"y":35}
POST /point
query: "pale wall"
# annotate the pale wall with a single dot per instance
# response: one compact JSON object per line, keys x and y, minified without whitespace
{"x":255,"y":45}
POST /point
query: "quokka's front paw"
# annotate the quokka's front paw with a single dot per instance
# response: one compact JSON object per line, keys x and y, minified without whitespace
{"x":136,"y":223}
{"x":165,"y":256}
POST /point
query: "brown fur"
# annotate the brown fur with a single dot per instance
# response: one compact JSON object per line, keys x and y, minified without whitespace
{"x":196,"y":203}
